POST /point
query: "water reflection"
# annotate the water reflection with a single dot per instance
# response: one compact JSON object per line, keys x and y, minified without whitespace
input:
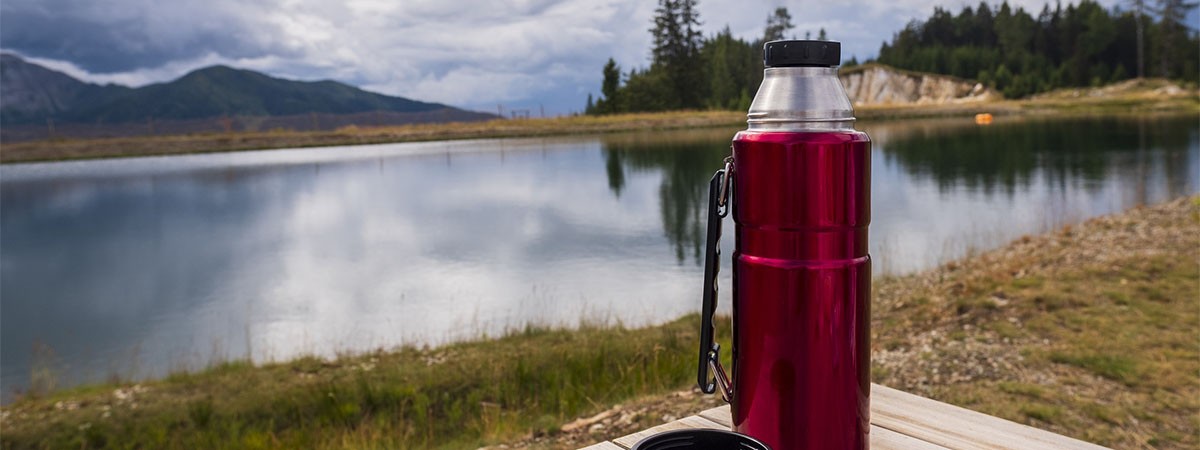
{"x":686,"y":160}
{"x":136,"y":272}
{"x":1004,"y":156}
{"x":1152,"y":158}
{"x":136,"y":267}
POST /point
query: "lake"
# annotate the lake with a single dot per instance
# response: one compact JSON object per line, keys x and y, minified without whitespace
{"x":133,"y":268}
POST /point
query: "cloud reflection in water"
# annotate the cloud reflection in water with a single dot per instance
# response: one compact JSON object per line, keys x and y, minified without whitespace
{"x":140,"y":266}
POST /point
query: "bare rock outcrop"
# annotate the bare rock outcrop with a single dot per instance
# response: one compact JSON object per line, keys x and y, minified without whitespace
{"x":876,"y":84}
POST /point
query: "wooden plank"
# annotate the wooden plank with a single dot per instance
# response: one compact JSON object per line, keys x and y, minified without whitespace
{"x":885,"y":439}
{"x":720,"y":414}
{"x":603,"y":446}
{"x":903,"y":421}
{"x":959,"y":428}
{"x":881,"y":438}
{"x":681,"y":424}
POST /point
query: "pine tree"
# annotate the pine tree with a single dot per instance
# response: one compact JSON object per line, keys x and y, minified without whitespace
{"x":778,"y":23}
{"x":733,"y":67}
{"x":677,"y":41}
{"x":1065,"y":45}
{"x":1171,"y":14}
{"x":612,"y":80}
{"x":1072,"y":44}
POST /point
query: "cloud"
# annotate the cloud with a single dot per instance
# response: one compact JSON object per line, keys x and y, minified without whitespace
{"x":127,"y":35}
{"x":474,"y":54}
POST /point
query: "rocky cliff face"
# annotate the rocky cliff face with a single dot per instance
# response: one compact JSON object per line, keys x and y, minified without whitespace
{"x":874,"y":84}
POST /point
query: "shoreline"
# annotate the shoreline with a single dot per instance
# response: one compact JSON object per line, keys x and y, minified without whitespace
{"x":1077,"y":331}
{"x":120,"y":147}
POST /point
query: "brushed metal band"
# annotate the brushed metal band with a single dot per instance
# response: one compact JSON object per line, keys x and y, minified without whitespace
{"x":800,"y":99}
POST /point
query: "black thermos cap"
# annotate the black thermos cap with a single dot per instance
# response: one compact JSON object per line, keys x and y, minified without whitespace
{"x":802,"y":54}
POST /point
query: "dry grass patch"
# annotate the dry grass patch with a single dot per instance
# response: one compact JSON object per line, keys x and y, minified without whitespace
{"x":1089,"y":332}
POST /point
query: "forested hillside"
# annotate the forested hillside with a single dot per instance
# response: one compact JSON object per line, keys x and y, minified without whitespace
{"x":1006,"y":48}
{"x":1063,"y":46}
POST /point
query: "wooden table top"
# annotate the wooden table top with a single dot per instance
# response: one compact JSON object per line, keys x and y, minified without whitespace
{"x":902,"y":421}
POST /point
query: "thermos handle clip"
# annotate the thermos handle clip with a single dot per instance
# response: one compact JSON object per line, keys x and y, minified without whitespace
{"x":710,"y":352}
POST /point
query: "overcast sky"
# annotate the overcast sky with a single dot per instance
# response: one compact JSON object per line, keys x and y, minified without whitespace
{"x":473,"y":54}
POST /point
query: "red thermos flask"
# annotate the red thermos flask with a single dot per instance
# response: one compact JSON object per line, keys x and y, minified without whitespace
{"x":798,"y":184}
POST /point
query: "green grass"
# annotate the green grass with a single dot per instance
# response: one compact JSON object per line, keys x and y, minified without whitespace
{"x":459,"y":396}
{"x":1044,"y":413}
{"x":1028,"y":390}
{"x":1102,"y":349}
{"x":1091,"y":330}
{"x":1028,"y":282}
{"x":1114,"y":367}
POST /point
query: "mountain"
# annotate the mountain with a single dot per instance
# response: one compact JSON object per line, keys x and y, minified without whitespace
{"x":29,"y":94}
{"x":221,"y":90}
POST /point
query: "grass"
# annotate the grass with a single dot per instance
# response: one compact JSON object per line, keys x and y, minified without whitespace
{"x":1094,"y":335}
{"x":1111,"y":366}
{"x":458,"y":396}
{"x":1136,"y":98}
{"x":1042,"y":412}
{"x":65,"y":149}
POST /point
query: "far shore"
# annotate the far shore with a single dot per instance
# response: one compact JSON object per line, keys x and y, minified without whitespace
{"x":1064,"y":102}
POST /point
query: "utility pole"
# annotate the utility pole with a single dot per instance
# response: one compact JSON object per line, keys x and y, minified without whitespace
{"x":543,"y":109}
{"x":50,"y":127}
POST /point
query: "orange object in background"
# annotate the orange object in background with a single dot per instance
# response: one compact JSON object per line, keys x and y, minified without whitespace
{"x":983,"y":119}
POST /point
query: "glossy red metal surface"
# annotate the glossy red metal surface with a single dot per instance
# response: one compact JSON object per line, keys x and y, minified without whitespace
{"x":801,"y":289}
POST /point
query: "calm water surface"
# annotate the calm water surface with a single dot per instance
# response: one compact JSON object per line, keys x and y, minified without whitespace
{"x":137,"y":267}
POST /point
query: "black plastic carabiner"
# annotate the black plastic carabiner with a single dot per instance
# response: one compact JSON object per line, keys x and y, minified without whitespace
{"x":710,"y":352}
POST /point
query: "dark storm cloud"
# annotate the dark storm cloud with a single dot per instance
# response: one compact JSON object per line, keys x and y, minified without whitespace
{"x":118,"y":36}
{"x":479,"y":54}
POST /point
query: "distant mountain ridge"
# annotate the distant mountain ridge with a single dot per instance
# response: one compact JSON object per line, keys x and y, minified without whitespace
{"x":30,"y":94}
